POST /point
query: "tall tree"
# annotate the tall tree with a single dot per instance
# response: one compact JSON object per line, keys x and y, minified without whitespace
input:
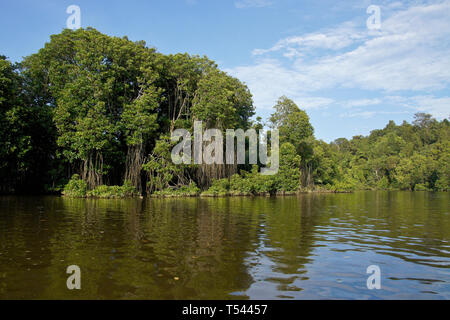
{"x":295,"y":128}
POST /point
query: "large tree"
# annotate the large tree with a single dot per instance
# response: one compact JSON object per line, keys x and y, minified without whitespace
{"x":103,"y":92}
{"x":26,"y":134}
{"x":295,"y":128}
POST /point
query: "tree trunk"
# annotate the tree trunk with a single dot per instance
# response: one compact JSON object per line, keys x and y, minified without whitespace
{"x":134,"y":163}
{"x":92,"y":170}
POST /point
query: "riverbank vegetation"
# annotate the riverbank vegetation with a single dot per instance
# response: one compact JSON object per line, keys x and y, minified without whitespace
{"x":90,"y":115}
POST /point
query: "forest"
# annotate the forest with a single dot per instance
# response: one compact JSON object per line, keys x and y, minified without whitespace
{"x":91,"y":115}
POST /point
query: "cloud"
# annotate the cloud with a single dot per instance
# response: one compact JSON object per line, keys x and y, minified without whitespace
{"x":333,"y":39}
{"x":268,"y":80}
{"x":369,"y":114}
{"x":437,"y":106}
{"x":252,"y":3}
{"x":277,"y":81}
{"x":410,"y":55}
{"x":309,"y":103}
{"x":361,"y":103}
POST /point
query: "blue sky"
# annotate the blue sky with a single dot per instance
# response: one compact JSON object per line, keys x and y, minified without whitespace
{"x":349,"y":79}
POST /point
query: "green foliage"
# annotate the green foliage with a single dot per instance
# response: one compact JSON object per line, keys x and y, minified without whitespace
{"x":406,"y":157}
{"x":125,"y":191}
{"x":219,"y":187}
{"x":160,"y":168}
{"x":294,"y":127}
{"x":103,"y":96}
{"x":288,"y":177}
{"x":222,"y":101}
{"x":190,"y":190}
{"x":105,"y":107}
{"x":254,"y":183}
{"x":293,"y":124}
{"x":75,"y":188}
{"x":106,"y":100}
{"x":421,"y":187}
{"x":344,"y":184}
{"x":26,"y":134}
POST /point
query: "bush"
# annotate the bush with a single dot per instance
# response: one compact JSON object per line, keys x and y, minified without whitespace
{"x":184,"y":191}
{"x":241,"y":183}
{"x":383,"y":184}
{"x":347,"y":183}
{"x":124,"y":191}
{"x":75,"y":188}
{"x":442,"y":184}
{"x":246,"y":183}
{"x":219,"y":187}
{"x":421,"y":187}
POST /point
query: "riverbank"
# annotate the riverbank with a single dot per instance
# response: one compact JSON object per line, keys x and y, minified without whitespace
{"x":77,"y":188}
{"x":244,"y":194}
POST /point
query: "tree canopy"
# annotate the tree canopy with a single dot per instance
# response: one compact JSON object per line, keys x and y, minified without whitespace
{"x":103,"y":109}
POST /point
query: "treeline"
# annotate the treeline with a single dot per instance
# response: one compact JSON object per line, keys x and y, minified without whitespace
{"x":407,"y":157}
{"x":104,"y":108}
{"x":101,"y":110}
{"x":399,"y":157}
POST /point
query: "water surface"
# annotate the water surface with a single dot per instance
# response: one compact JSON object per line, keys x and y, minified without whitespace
{"x":312,"y":246}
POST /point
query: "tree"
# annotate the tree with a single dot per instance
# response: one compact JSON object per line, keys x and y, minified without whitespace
{"x":222,"y":102}
{"x":179,"y":78}
{"x":295,"y":128}
{"x":26,"y":134}
{"x":103,"y":95}
{"x":288,"y":177}
{"x":139,"y":122}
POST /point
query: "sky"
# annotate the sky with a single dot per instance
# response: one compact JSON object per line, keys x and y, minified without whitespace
{"x":351,"y":72}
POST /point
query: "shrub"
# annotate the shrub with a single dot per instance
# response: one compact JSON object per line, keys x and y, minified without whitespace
{"x":124,"y":191}
{"x":442,"y":184}
{"x":383,"y":184}
{"x":75,"y":188}
{"x":347,"y":183}
{"x":421,"y":187}
{"x":241,"y":183}
{"x":219,"y":187}
{"x":246,"y":183}
{"x":183,"y":191}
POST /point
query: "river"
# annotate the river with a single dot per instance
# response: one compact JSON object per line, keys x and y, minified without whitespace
{"x":310,"y":246}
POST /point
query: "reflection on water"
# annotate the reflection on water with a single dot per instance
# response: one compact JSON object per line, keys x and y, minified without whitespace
{"x":305,"y":247}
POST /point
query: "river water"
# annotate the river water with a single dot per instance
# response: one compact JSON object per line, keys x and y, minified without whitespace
{"x":311,"y":246}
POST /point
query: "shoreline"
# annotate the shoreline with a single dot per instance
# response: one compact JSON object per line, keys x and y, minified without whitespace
{"x":210,"y":195}
{"x":249,"y":195}
{"x":203,"y":195}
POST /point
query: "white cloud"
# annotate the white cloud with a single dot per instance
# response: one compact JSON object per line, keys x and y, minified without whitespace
{"x":268,"y":80}
{"x":333,"y":39}
{"x":369,"y":114}
{"x":437,"y":106}
{"x":309,"y":103}
{"x":362,"y":103}
{"x":277,"y":81}
{"x":411,"y":53}
{"x":252,"y":3}
{"x":359,"y":114}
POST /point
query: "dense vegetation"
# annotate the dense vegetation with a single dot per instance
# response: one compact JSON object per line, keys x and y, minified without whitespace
{"x":92,"y":115}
